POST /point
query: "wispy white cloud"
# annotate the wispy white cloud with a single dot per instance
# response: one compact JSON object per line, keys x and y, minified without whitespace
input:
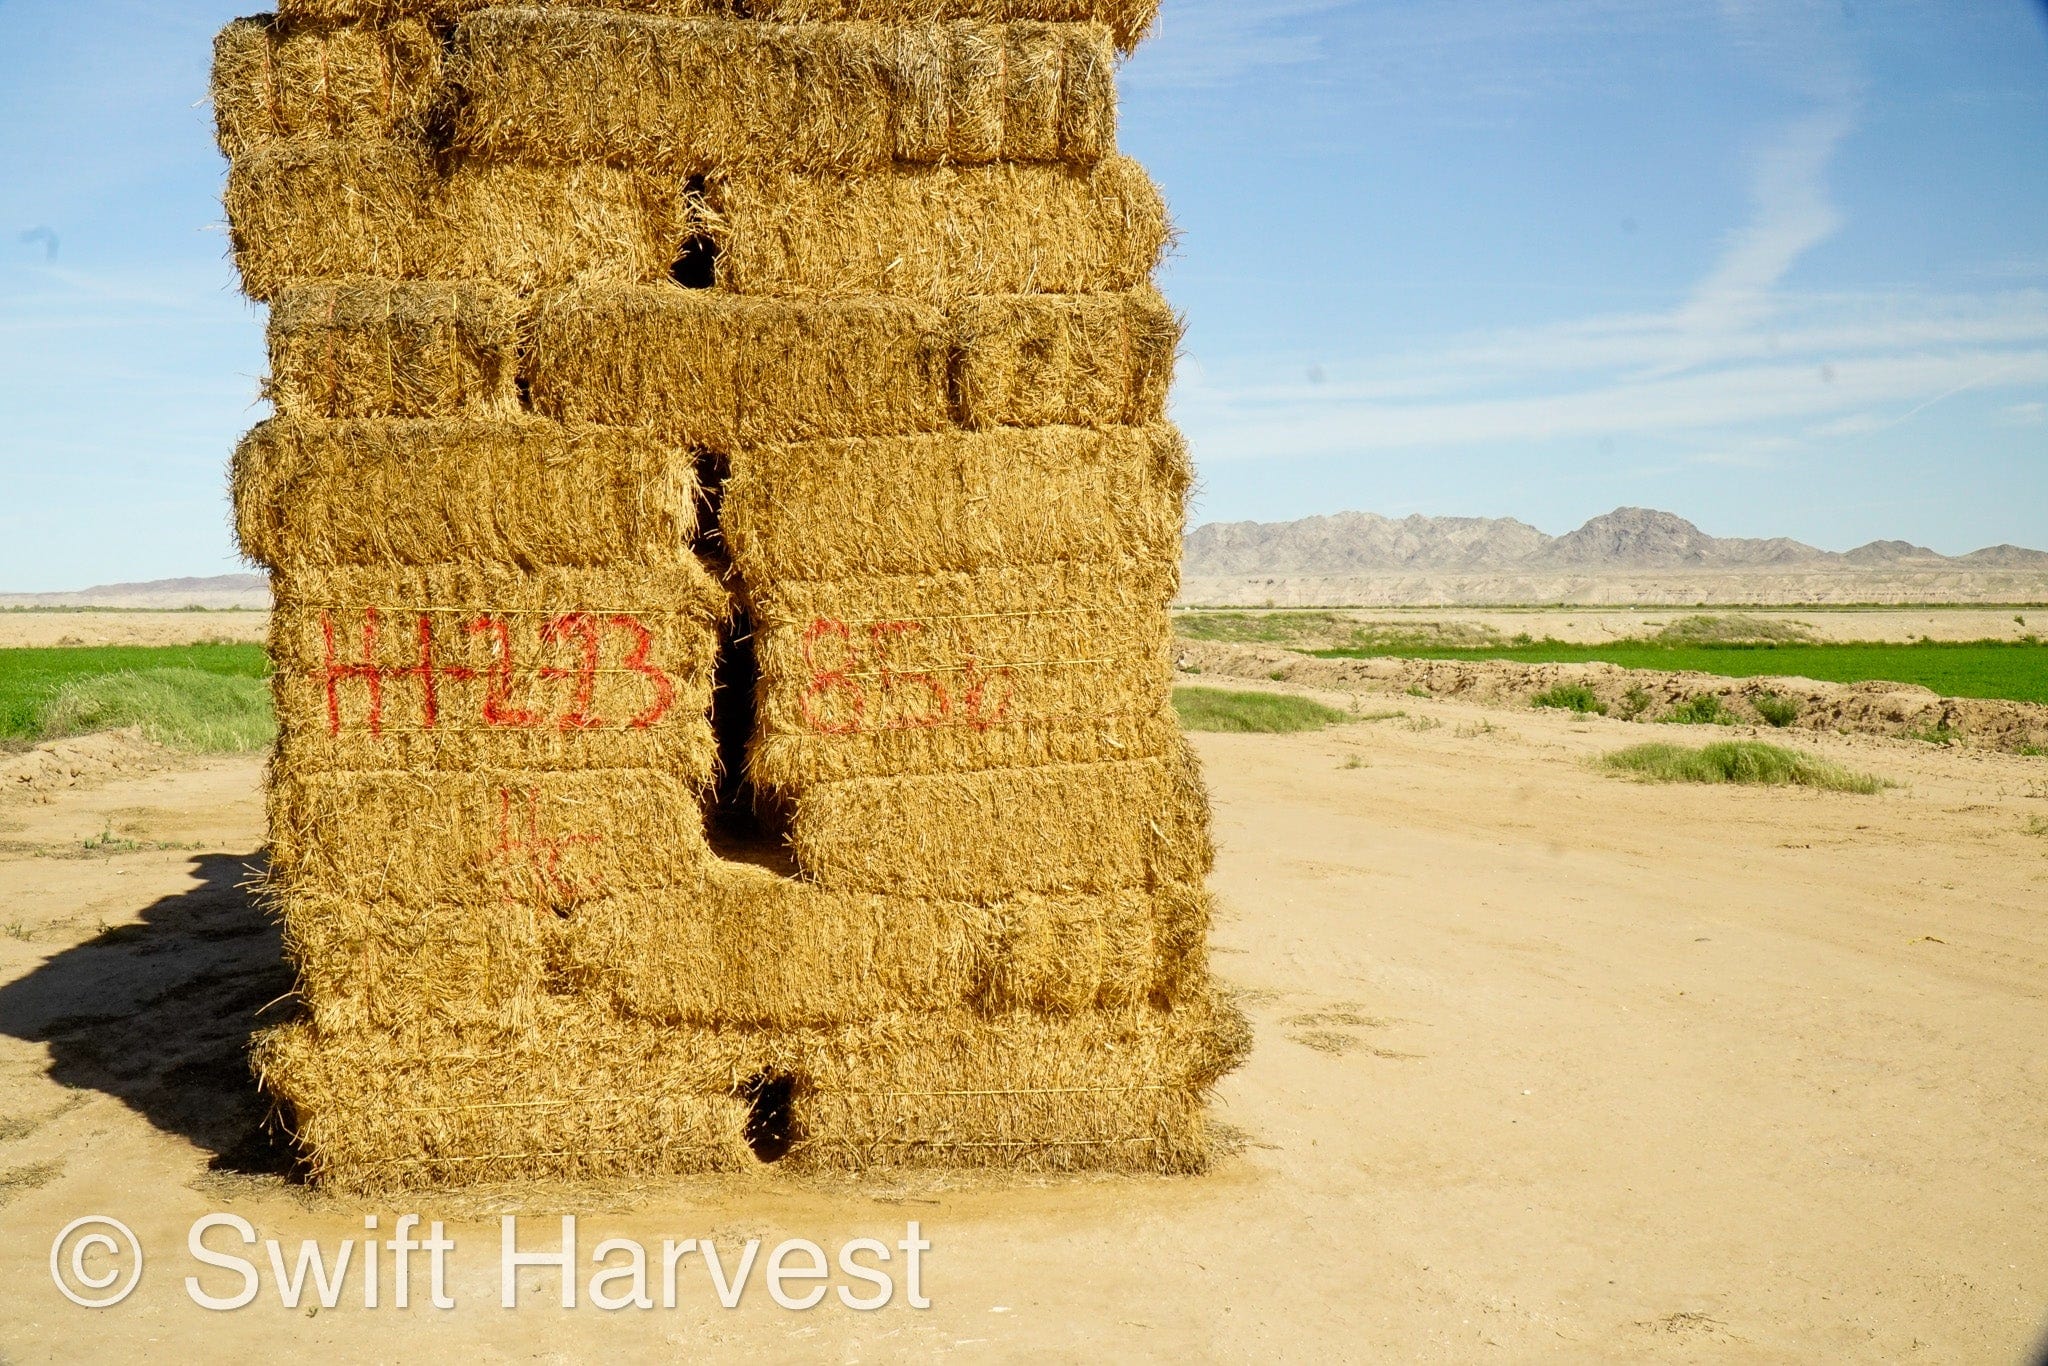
{"x":1740,"y":354}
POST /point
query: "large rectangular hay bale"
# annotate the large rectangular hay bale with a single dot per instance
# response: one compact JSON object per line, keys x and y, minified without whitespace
{"x":577,"y":1096}
{"x":1087,"y":360}
{"x":1127,"y":20}
{"x":376,"y":1112}
{"x":826,"y":511}
{"x":726,"y":372}
{"x":454,"y":667}
{"x":390,"y":964}
{"x":1056,"y":663}
{"x":277,"y":82}
{"x":324,"y":494}
{"x":700,"y":95}
{"x":326,"y":211}
{"x":940,"y":232}
{"x":379,"y":348}
{"x":973,"y":836}
{"x":455,"y":844}
{"x":747,"y":948}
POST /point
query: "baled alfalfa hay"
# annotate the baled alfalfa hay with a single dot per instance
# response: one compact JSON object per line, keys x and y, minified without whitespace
{"x":360,"y":348}
{"x":450,"y":667}
{"x":746,"y":948}
{"x":314,"y":493}
{"x":695,"y":96}
{"x":1127,"y":20}
{"x":722,"y":517}
{"x":323,"y":211}
{"x":281,"y":82}
{"x":718,"y":370}
{"x":567,"y":1096}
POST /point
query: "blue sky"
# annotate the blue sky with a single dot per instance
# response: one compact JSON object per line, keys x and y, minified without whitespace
{"x":1778,"y":265}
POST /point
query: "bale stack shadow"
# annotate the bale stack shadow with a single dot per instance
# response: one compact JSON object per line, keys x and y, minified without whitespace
{"x":158,"y":1013}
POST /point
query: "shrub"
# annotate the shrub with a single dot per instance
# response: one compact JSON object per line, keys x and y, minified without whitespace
{"x":1703,"y":710}
{"x":1571,"y":697}
{"x":1635,"y":702}
{"x":1776,"y":711}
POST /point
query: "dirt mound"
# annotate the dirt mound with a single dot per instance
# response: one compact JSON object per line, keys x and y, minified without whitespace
{"x":80,"y":761}
{"x":1876,"y":708}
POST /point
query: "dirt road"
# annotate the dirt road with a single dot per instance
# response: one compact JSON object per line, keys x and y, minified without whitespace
{"x":1549,"y":1066}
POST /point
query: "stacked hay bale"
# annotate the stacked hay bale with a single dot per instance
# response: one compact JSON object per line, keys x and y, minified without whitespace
{"x":722,"y":517}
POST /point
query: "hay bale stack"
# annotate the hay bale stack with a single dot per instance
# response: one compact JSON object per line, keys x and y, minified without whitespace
{"x":721,"y":514}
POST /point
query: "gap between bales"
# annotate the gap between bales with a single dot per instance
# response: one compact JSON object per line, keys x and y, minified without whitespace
{"x":1747,"y":762}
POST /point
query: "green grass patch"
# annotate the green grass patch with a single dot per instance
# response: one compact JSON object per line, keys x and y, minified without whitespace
{"x":1571,"y":697}
{"x":2014,"y":670}
{"x":1739,"y":761}
{"x":200,"y":697}
{"x":1252,"y":712}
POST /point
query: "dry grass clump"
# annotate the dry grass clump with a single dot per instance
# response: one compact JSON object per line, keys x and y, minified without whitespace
{"x":518,"y":491}
{"x":693,"y":96}
{"x":1740,"y":761}
{"x":372,"y":348}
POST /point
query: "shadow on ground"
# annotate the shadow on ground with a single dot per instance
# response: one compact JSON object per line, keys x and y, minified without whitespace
{"x":159,"y":1014}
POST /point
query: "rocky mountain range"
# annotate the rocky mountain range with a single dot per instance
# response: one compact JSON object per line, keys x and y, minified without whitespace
{"x":1627,"y":539}
{"x":218,"y":592}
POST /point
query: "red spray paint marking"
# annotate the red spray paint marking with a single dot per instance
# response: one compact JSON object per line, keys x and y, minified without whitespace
{"x":333,"y":672}
{"x":499,"y":675}
{"x":664,"y":688}
{"x":584,"y":628}
{"x":540,"y":855}
{"x":498,"y":708}
{"x":982,"y":696}
{"x":824,"y":682}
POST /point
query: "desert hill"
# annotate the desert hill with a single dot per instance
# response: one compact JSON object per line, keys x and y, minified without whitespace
{"x":1636,"y":555}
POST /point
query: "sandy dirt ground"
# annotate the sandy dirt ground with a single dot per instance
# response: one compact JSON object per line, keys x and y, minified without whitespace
{"x":1595,"y":626}
{"x":129,"y":628}
{"x":1550,"y":1066}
